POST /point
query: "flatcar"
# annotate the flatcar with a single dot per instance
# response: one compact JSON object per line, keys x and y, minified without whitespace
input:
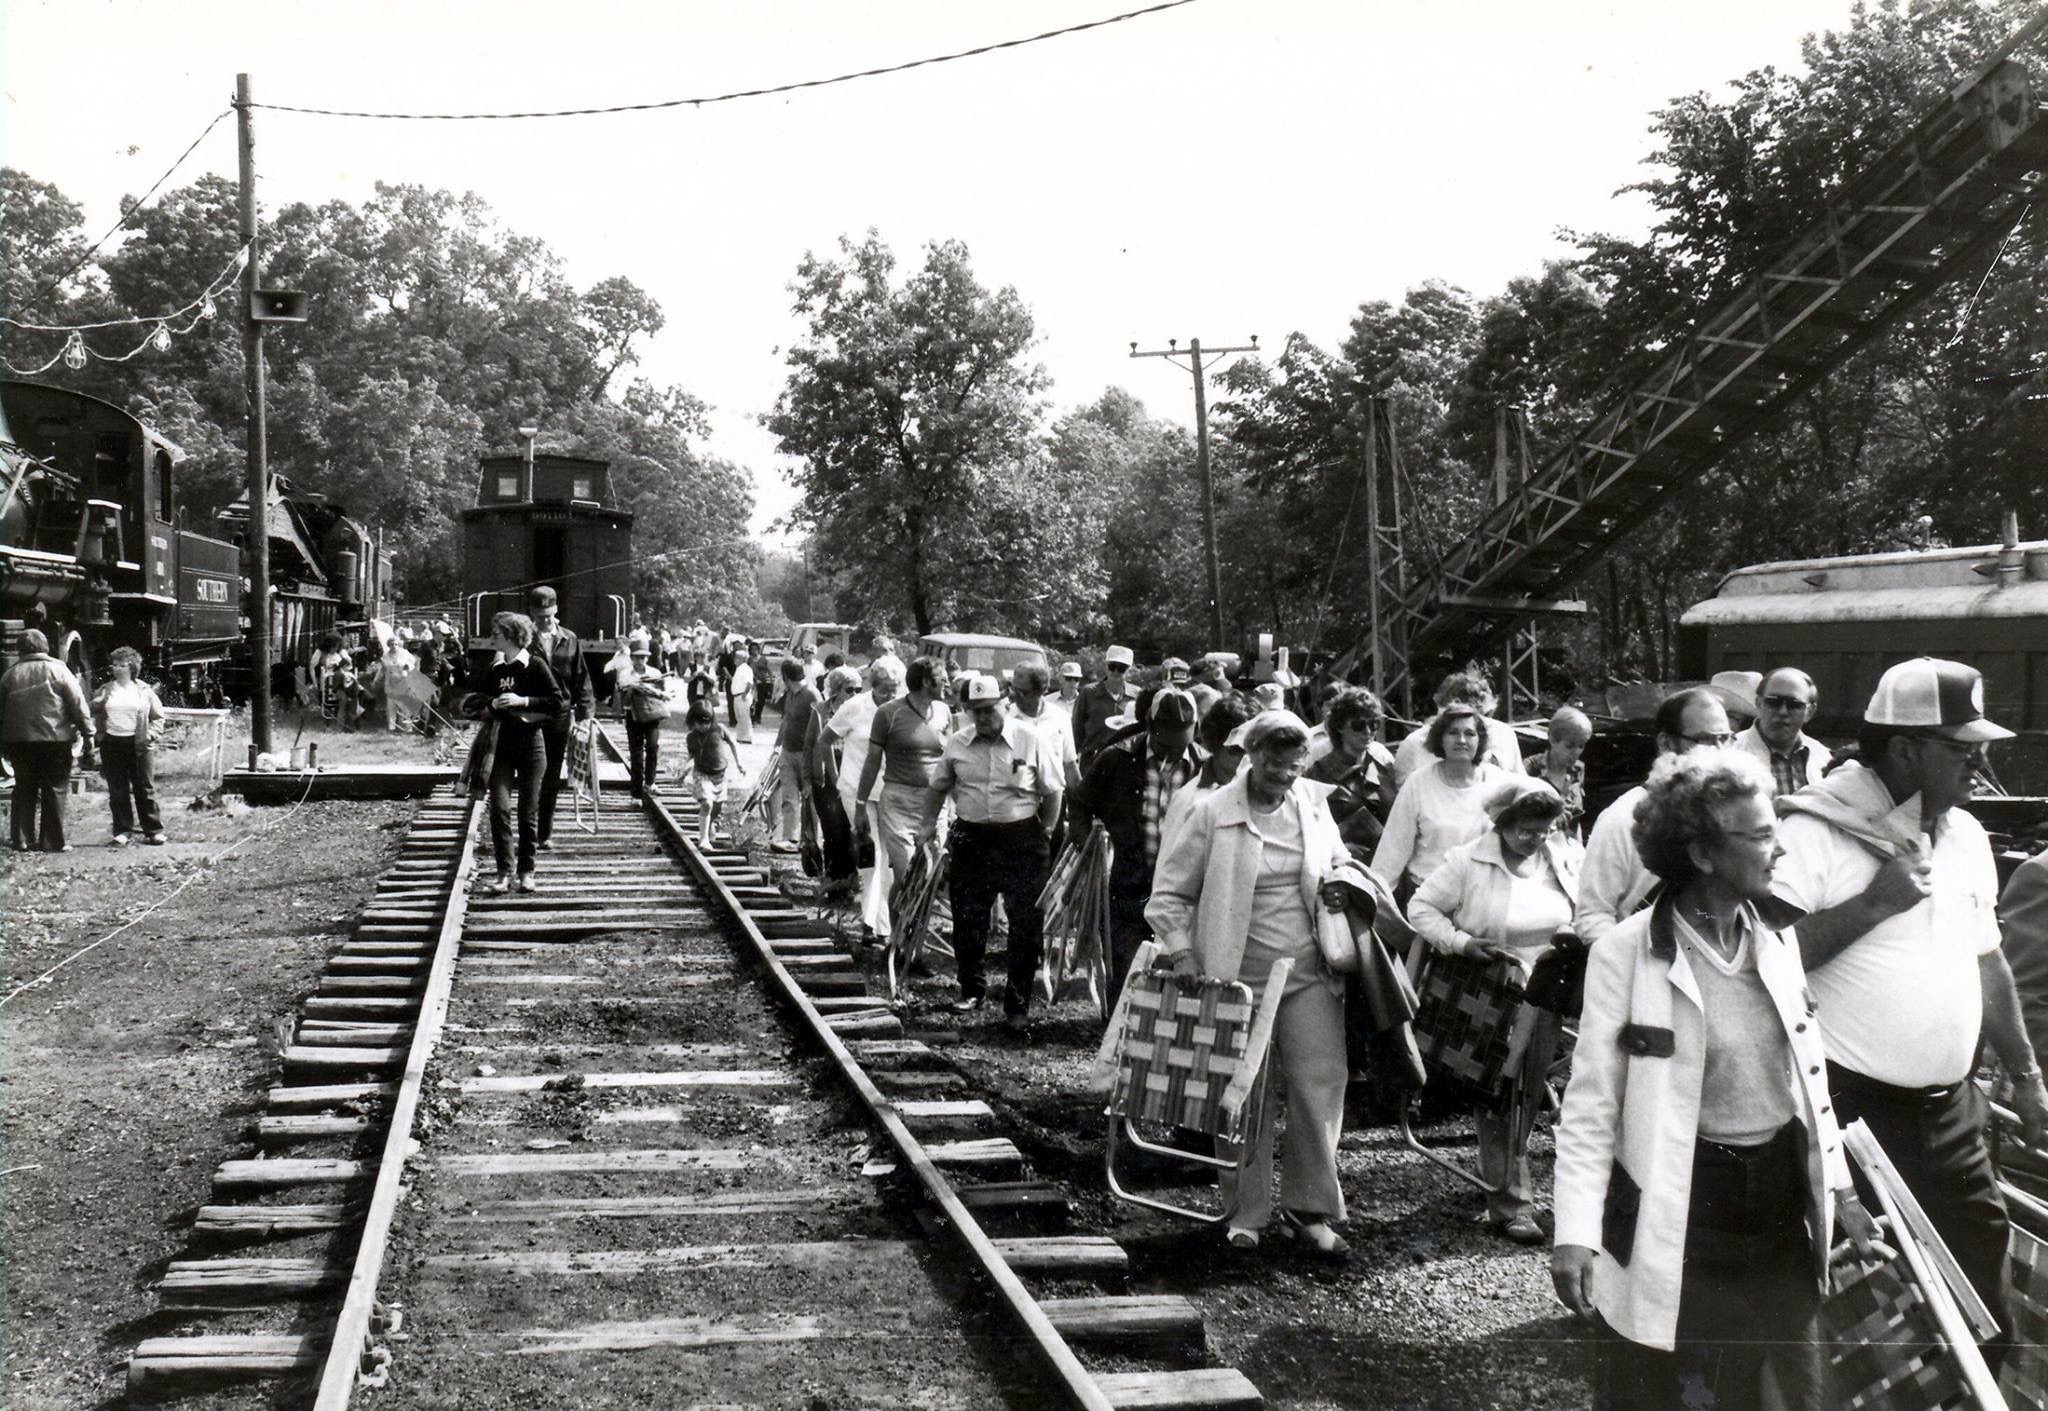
{"x":94,"y":552}
{"x":541,"y":518}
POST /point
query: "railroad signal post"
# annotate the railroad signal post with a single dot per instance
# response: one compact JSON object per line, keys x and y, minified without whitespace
{"x":1194,"y":352}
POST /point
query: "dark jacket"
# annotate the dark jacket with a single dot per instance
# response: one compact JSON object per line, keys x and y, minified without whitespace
{"x":532,"y":678}
{"x":572,"y":673}
{"x":1362,"y":797}
{"x":1113,"y":791}
{"x":1096,"y":704}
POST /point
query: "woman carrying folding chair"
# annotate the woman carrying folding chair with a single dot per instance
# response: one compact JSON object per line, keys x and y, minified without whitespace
{"x":1700,"y":1172}
{"x":1237,"y":884}
{"x":1503,"y":899}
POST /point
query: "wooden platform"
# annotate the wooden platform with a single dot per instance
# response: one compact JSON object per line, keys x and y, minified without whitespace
{"x":355,"y":781}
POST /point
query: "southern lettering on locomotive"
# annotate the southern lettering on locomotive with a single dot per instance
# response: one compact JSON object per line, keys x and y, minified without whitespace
{"x":93,"y":552}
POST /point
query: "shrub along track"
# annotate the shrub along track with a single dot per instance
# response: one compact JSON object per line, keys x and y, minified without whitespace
{"x":615,"y":1171}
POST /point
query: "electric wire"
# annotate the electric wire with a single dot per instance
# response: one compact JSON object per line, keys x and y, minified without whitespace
{"x":769,"y":92}
{"x":126,"y":216}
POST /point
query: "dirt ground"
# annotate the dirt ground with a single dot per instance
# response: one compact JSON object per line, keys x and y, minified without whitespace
{"x":132,"y":1073}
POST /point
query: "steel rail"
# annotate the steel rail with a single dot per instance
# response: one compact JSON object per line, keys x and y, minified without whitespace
{"x":343,"y":1366}
{"x":1077,"y":1386}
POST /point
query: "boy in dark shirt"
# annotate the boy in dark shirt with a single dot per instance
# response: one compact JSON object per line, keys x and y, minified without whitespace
{"x":518,"y":697}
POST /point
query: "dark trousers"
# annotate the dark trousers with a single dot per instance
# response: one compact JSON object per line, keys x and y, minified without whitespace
{"x":42,"y":777}
{"x":643,"y":751}
{"x":1935,"y":1137}
{"x":1750,"y":1295}
{"x":131,"y":783}
{"x":555,"y":739}
{"x":1127,"y":931}
{"x":516,"y":771}
{"x":1007,"y":860}
{"x":835,"y":836}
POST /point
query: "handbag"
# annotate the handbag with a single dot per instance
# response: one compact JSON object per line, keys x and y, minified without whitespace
{"x":1558,"y":981}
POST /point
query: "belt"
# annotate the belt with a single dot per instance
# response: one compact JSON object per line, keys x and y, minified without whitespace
{"x":1850,"y":1080}
{"x":999,"y":828}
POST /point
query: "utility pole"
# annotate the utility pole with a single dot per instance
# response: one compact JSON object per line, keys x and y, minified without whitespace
{"x":1208,"y":484}
{"x":256,"y":548}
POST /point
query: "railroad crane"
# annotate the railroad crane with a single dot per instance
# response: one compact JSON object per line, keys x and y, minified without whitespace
{"x":1920,"y":215}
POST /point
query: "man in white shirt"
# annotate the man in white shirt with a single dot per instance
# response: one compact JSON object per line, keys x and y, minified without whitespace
{"x":1613,"y":883}
{"x":851,"y":723}
{"x":1029,"y":702}
{"x":1902,"y":954}
{"x":1503,"y":749}
{"x":1785,"y":701}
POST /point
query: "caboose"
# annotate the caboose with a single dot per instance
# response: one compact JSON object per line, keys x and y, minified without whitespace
{"x":548,"y":519}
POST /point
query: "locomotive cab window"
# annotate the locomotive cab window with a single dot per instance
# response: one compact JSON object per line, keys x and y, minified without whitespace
{"x":164,"y":499}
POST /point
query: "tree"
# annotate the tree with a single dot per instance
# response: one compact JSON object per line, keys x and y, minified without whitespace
{"x":910,"y":410}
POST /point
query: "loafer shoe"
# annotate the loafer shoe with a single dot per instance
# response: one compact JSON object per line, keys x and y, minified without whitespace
{"x":1239,"y":1237}
{"x":119,"y":840}
{"x":1314,"y":1235}
{"x":1522,"y":1229}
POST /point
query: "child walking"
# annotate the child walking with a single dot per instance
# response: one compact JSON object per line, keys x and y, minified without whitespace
{"x":712,"y":752}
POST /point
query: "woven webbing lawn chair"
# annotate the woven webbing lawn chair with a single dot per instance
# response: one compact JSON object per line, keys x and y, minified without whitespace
{"x":1190,"y":1054}
{"x":1472,"y":1026}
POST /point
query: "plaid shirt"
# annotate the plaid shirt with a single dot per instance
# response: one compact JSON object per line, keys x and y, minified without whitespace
{"x":1163,"y":779}
{"x":1788,"y":769}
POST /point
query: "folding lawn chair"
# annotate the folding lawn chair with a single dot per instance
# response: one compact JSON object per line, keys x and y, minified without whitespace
{"x":1471,"y":1025}
{"x":917,"y":896}
{"x":583,"y":782}
{"x":1075,"y":905}
{"x":1189,"y":1054}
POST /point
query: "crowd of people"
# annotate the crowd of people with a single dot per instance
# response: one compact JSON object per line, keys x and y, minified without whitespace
{"x":1777,"y":940}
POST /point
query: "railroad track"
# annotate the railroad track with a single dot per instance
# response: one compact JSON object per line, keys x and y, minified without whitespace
{"x":643,"y":1132}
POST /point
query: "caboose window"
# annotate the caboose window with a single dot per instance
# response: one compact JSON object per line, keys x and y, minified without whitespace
{"x":581,"y":491}
{"x":163,"y":486}
{"x":508,"y":487}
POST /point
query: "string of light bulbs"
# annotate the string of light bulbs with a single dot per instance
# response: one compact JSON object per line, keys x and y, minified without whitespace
{"x":76,"y":352}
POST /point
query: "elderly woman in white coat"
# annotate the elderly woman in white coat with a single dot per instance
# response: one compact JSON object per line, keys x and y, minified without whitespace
{"x":1700,"y":1174}
{"x":1236,"y":890}
{"x":1505,"y":896}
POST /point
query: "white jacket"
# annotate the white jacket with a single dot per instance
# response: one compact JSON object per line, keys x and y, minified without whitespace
{"x":1631,"y":1114}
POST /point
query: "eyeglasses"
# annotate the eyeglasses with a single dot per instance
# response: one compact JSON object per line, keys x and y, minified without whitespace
{"x":1783,"y":702}
{"x":1118,"y":666}
{"x":1960,"y":748}
{"x":1719,"y":739}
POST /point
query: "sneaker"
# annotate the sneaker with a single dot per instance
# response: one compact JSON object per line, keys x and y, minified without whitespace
{"x":119,"y":840}
{"x":157,"y":840}
{"x":783,"y":845}
{"x":545,"y":845}
{"x":968,"y":1004}
{"x":498,"y":885}
{"x":527,"y":882}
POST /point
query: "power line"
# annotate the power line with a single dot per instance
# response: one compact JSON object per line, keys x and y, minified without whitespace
{"x":126,"y":216}
{"x":707,"y":100}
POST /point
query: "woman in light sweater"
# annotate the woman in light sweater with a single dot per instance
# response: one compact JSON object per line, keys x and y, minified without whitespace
{"x":1700,"y":1174}
{"x":1441,"y":805}
{"x":1504,"y":897}
{"x":128,"y":719}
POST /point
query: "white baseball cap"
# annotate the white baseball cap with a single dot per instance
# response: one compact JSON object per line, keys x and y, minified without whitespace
{"x":981,"y":691}
{"x":1944,"y":698}
{"x":1118,"y":656}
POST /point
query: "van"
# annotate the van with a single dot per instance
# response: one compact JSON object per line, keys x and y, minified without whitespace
{"x":827,"y":637}
{"x":978,"y":651}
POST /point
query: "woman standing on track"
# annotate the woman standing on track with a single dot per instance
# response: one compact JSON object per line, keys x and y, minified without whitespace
{"x":1234,"y":893}
{"x":1699,"y":1169}
{"x":42,"y":714}
{"x":1504,"y":896}
{"x":1441,"y":805}
{"x":129,"y":718}
{"x":904,"y":742}
{"x":519,"y":696}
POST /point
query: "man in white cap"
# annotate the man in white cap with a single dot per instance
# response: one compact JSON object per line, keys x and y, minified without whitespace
{"x":1901,"y":946}
{"x":1785,"y":701}
{"x":1006,"y":792}
{"x":1099,"y":703}
{"x":1070,"y":686}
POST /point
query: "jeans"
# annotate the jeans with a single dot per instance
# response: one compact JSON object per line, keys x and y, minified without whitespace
{"x":42,"y":777}
{"x":131,"y":784}
{"x":1750,"y":1296}
{"x":555,"y":735}
{"x":643,"y":752}
{"x":1007,"y":860}
{"x":1936,"y":1140}
{"x":522,"y":755}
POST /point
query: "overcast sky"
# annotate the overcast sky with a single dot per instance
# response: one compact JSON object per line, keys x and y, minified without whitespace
{"x":1225,"y":168}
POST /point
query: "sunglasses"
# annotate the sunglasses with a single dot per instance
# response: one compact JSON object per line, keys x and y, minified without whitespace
{"x":1782,"y":702}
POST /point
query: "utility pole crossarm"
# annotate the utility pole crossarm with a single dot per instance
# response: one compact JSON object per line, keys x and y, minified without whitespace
{"x":1194,"y":352}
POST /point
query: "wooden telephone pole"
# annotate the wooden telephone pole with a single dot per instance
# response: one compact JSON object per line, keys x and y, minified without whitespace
{"x":256,"y":547}
{"x":1194,"y":352}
